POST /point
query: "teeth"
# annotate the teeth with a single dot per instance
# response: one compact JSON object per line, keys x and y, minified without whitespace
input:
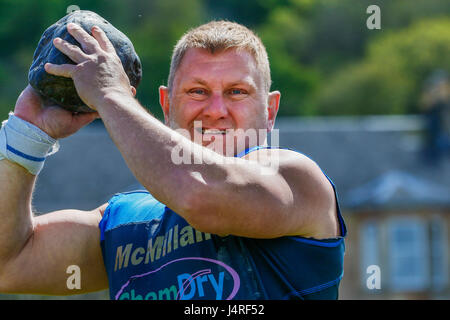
{"x":213,"y":131}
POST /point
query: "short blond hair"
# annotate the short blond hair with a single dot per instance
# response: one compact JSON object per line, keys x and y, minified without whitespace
{"x":217,"y":36}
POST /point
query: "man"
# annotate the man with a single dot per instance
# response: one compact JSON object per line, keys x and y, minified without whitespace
{"x":209,"y":229}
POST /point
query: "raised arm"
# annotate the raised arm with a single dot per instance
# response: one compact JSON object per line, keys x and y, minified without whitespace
{"x":35,"y":251}
{"x":213,"y":197}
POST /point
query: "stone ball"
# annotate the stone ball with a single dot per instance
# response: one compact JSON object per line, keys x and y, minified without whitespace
{"x":61,"y":90}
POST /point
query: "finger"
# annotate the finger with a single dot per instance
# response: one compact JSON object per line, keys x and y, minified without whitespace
{"x":88,"y":43}
{"x":102,"y":39}
{"x":70,"y":50}
{"x":62,"y":70}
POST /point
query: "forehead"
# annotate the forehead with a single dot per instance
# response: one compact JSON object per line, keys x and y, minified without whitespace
{"x":227,"y":65}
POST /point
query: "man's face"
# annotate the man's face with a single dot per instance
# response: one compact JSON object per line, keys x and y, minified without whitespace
{"x":225,"y":92}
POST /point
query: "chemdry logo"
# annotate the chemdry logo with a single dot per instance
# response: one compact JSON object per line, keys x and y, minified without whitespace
{"x":203,"y":283}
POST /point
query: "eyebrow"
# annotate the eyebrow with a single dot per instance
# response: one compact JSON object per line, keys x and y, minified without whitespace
{"x":199,"y":81}
{"x":251,"y":84}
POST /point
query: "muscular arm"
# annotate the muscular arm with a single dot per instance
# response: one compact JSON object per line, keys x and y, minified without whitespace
{"x":216,"y":197}
{"x":36,"y":251}
{"x":221,"y":198}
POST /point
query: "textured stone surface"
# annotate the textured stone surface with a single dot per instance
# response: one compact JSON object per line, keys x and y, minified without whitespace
{"x":61,"y":90}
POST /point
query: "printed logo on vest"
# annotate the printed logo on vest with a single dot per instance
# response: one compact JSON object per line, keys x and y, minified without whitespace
{"x":207,"y":279}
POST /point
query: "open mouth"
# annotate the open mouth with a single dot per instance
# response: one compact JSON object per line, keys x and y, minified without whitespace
{"x":212,"y":131}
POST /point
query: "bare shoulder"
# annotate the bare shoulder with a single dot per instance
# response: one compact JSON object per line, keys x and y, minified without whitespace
{"x":313,"y":192}
{"x":287,"y":160}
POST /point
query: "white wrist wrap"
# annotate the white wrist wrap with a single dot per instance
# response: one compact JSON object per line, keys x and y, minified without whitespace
{"x":25,"y":144}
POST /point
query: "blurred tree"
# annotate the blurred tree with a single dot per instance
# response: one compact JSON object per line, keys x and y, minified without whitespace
{"x":154,"y":39}
{"x":21,"y":24}
{"x":251,"y":13}
{"x":293,"y":79}
{"x":335,"y":33}
{"x":402,"y":13}
{"x":389,"y":80}
{"x":310,"y":43}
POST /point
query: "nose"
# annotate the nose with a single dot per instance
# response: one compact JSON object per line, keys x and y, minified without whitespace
{"x":216,"y":108}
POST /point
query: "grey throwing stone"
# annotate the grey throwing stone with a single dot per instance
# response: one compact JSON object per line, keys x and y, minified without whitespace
{"x":60,"y":90}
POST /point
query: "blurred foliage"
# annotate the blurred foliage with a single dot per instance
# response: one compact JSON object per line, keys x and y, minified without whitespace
{"x":390,"y":79}
{"x":323,"y":58}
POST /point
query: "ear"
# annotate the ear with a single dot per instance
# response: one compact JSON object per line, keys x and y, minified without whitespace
{"x":272,"y":108}
{"x":133,"y":91}
{"x":164,"y":102}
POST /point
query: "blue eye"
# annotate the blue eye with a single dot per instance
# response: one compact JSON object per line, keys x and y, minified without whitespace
{"x":198,"y":91}
{"x":237,"y":91}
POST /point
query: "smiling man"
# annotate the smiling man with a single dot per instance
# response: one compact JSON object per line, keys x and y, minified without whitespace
{"x":208,"y":229}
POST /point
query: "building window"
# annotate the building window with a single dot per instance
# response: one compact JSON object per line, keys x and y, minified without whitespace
{"x":439,"y":253}
{"x":408,"y":254}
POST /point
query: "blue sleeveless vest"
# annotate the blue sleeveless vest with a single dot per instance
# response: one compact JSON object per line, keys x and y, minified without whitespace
{"x":152,"y":253}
